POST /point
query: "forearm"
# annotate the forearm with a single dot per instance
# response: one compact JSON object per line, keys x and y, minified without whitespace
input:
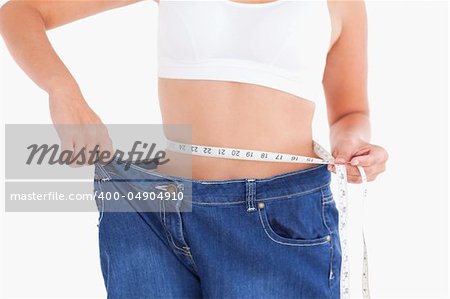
{"x":353,"y":126}
{"x":24,"y":32}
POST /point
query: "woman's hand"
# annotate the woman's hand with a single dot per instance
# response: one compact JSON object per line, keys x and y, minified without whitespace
{"x":23,"y":26}
{"x":78,"y":126}
{"x":352,"y":152}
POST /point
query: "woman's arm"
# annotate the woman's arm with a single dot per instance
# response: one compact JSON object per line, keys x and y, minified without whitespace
{"x":345,"y":77}
{"x":345,"y":87}
{"x":23,"y":25}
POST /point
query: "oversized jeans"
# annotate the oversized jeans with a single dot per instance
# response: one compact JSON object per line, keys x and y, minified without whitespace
{"x":275,"y":237}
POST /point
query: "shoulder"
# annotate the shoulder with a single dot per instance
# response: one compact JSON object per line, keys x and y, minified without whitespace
{"x":343,"y":8}
{"x":346,"y":16}
{"x":346,"y":12}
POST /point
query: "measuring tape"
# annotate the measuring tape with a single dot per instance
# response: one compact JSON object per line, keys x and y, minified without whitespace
{"x":325,"y":158}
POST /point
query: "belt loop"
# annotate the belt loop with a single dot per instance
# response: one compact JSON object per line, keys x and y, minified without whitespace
{"x":250,"y":194}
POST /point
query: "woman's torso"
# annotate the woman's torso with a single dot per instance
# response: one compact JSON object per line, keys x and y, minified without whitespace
{"x":239,"y":115}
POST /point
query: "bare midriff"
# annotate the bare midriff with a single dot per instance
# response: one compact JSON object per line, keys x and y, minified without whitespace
{"x":237,"y":115}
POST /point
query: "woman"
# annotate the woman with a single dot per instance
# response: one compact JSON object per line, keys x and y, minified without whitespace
{"x":245,"y":75}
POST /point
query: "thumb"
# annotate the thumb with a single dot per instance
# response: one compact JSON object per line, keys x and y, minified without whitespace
{"x":342,"y":157}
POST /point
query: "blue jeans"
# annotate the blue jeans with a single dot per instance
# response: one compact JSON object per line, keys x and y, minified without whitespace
{"x":274,"y":237}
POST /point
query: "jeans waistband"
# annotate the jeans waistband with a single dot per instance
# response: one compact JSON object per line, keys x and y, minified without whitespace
{"x":222,"y":191}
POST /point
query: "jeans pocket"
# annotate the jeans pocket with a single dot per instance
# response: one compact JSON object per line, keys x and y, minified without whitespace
{"x":296,"y":220}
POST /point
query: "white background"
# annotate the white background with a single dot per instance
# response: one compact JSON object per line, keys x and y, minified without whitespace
{"x":113,"y":57}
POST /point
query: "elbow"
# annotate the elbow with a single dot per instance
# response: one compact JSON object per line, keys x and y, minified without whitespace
{"x":9,"y":11}
{"x":10,"y":8}
{"x":4,"y":11}
{"x":15,"y":11}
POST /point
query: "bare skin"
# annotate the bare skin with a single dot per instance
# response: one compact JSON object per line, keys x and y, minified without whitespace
{"x":221,"y":113}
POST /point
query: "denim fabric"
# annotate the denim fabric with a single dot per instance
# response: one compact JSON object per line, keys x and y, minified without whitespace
{"x":275,"y":237}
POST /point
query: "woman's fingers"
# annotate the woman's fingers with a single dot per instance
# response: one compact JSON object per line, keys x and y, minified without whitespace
{"x":78,"y":153}
{"x":85,"y":145}
{"x":79,"y":128}
{"x":354,"y":176}
{"x":372,"y":159}
{"x":106,"y":152}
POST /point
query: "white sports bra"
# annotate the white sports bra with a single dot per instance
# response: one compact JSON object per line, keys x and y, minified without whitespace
{"x":281,"y":44}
